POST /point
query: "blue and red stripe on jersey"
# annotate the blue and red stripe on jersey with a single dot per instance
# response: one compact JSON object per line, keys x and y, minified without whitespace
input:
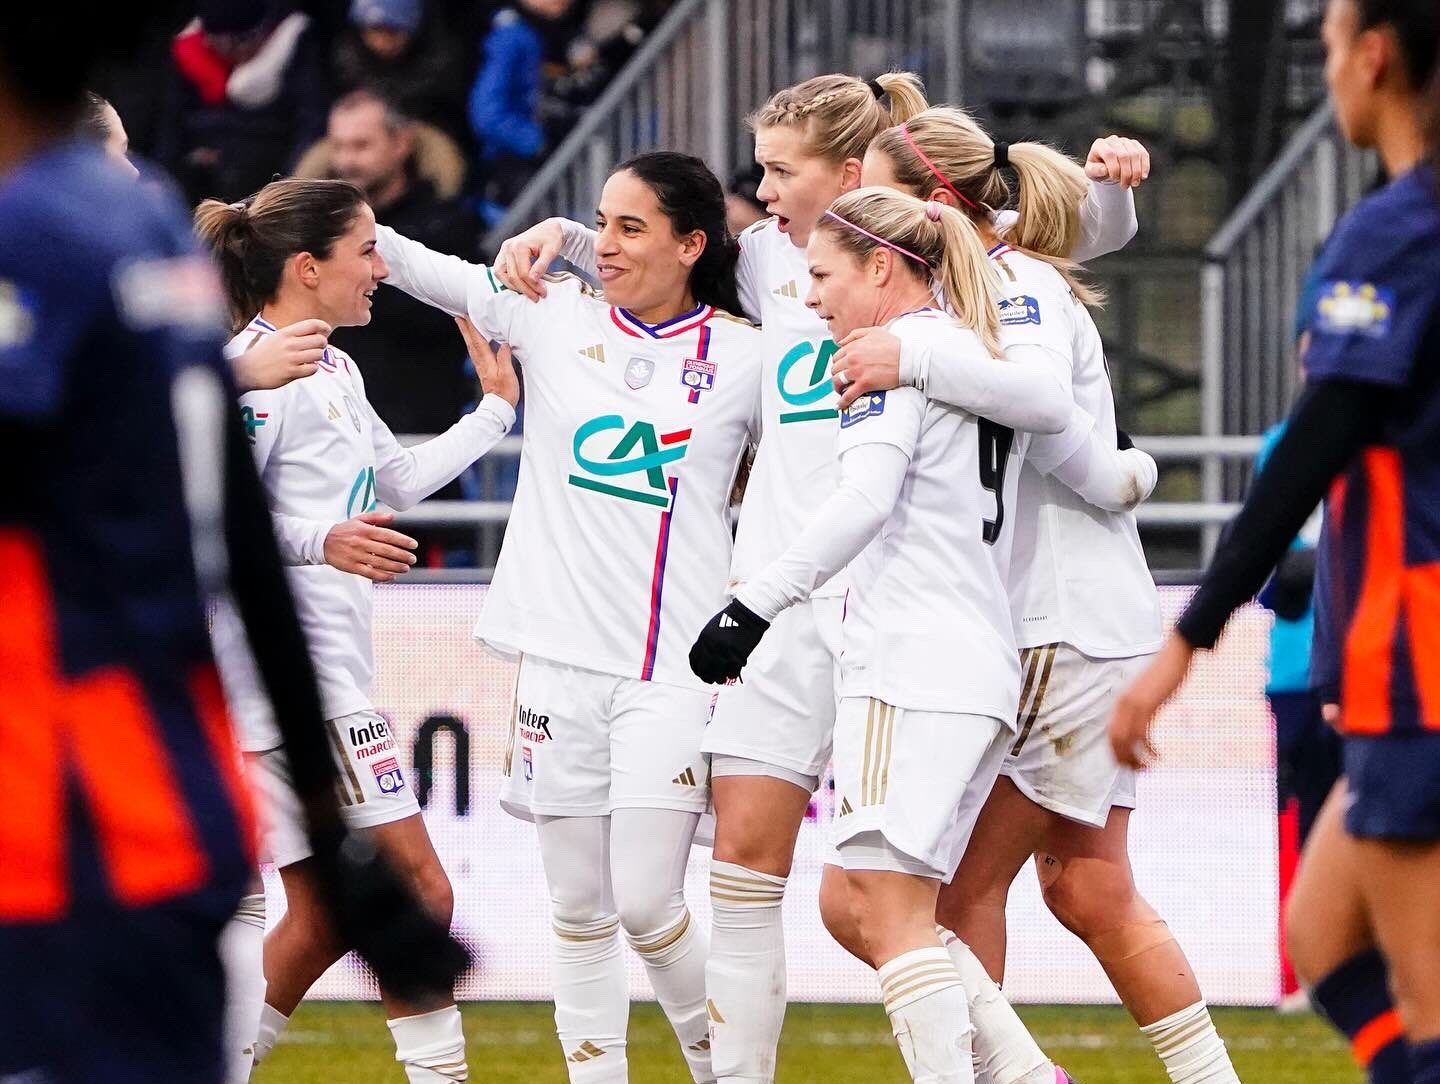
{"x":657,"y":577}
{"x":632,"y":325}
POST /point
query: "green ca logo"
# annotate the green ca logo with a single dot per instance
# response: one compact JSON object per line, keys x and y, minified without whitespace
{"x":362,"y":493}
{"x":816,"y":390}
{"x":654,"y":452}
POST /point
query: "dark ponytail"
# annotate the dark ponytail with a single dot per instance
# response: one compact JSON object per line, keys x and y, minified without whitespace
{"x":693,"y":199}
{"x":252,"y":239}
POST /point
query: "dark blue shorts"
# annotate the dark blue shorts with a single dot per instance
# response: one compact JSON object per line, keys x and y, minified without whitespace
{"x":1394,"y":782}
{"x":116,"y":995}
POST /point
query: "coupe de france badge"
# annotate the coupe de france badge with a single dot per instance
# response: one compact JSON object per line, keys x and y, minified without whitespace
{"x":1354,"y":308}
{"x":1020,"y":309}
{"x":639,"y":372}
{"x":867,"y":406}
{"x":698,"y":375}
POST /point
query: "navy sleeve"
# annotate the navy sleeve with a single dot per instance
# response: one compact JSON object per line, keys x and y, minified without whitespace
{"x":1375,"y":295}
{"x":40,"y":325}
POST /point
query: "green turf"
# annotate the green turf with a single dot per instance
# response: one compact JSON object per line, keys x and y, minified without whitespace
{"x":345,"y":1043}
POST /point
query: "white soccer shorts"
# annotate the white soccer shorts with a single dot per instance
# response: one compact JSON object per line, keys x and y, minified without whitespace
{"x":1061,"y":758}
{"x":372,"y":788}
{"x":782,"y":711}
{"x":583,"y":744}
{"x":918,"y":778}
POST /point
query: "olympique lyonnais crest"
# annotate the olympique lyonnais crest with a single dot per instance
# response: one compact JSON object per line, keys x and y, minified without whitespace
{"x":639,"y":372}
{"x":354,"y":413}
{"x":698,"y":375}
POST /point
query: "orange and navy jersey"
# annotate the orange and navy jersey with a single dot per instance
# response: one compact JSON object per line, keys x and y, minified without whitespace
{"x":117,"y":763}
{"x":1375,"y":318}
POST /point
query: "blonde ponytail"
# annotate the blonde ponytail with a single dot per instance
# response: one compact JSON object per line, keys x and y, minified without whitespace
{"x":967,"y":279}
{"x":944,"y":148}
{"x":936,"y":243}
{"x":841,"y":114}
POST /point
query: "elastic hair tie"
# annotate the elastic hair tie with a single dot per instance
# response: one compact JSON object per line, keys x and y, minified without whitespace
{"x":961,"y":196}
{"x":877,"y":238}
{"x":1002,"y":155}
{"x":875,"y":88}
{"x":933,"y":210}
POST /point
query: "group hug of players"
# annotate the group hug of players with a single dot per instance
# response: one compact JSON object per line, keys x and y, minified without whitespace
{"x":936,"y":578}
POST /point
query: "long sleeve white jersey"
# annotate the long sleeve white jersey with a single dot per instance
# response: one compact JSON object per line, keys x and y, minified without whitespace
{"x":1077,"y":572}
{"x":618,"y":545}
{"x":795,"y":468}
{"x":325,"y":456}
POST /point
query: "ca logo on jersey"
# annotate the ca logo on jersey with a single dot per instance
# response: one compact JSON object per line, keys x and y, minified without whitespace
{"x":362,"y":493}
{"x":810,"y":386}
{"x":635,"y":461}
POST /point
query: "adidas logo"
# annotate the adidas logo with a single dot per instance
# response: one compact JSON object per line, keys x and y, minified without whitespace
{"x":728,"y":622}
{"x":331,"y":412}
{"x":702,"y":1046}
{"x":845,"y":808}
{"x":790,"y":289}
{"x":595,"y":353}
{"x":588,"y":1052}
{"x":685,"y":778}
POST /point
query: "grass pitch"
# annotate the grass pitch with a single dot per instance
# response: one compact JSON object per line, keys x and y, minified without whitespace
{"x":348,"y":1043}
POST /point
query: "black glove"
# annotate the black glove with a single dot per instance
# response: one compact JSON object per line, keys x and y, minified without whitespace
{"x":1122,"y":440}
{"x":375,"y":913}
{"x":724,"y":645}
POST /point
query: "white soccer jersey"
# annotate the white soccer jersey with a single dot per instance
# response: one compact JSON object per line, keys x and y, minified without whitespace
{"x":795,"y":469}
{"x":618,"y":544}
{"x":325,"y":456}
{"x":927,"y":622}
{"x":1077,"y":573}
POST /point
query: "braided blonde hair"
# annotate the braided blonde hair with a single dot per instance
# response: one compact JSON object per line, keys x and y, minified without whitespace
{"x":841,"y":114}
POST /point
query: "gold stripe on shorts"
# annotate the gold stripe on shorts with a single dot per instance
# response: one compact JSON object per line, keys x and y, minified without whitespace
{"x":879,"y":746}
{"x":1048,"y":652}
{"x":344,"y":757}
{"x":514,"y":719}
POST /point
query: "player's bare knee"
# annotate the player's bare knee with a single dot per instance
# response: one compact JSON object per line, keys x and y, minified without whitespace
{"x":1086,"y":901}
{"x":435,"y":892}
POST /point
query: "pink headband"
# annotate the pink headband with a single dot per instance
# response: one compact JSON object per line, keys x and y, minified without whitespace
{"x":966,"y":200}
{"x":876,"y":238}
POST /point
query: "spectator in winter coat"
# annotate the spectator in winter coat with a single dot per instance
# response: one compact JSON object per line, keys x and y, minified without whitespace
{"x":246,"y":95}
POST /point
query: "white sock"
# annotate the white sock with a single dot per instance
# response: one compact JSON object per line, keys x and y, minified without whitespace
{"x":1190,"y":1047}
{"x":1005,"y":1052}
{"x":431,"y":1046}
{"x":745,"y":974}
{"x":929,"y":1015}
{"x":592,"y":1000}
{"x":675,"y":961}
{"x":272,"y":1023}
{"x":242,"y":957}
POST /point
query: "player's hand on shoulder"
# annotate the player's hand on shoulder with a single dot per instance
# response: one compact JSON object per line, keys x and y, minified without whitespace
{"x":868,"y":360}
{"x":523,"y":260}
{"x":292,"y":352}
{"x":1118,"y":160}
{"x":724,"y":645}
{"x":376,"y":913}
{"x":366,"y":546}
{"x":496,"y":371}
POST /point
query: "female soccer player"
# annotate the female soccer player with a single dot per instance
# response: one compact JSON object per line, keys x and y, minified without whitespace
{"x":1364,"y":913}
{"x":919,"y":494}
{"x":1087,"y":616}
{"x":300,"y":250}
{"x":770,"y":735}
{"x":639,"y":408}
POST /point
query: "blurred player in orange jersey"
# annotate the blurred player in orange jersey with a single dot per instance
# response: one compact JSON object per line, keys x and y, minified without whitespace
{"x":1364,"y":914}
{"x":130,"y":839}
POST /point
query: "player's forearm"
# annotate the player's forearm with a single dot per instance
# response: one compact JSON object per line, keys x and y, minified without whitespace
{"x":870,"y":483}
{"x":300,"y":541}
{"x":1107,"y":221}
{"x":579,"y":245}
{"x":1332,"y":422}
{"x":412,"y":474}
{"x":437,"y":279}
{"x":1106,"y":476}
{"x":1019,"y":392}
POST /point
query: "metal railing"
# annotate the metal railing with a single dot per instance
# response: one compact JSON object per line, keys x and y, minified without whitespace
{"x":709,"y":63}
{"x":1255,"y":268}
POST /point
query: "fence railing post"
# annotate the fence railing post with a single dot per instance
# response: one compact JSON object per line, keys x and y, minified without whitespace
{"x":719,"y":31}
{"x":1212,"y":377}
